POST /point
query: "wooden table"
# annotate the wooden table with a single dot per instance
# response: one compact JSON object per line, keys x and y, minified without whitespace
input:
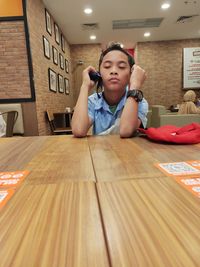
{"x":97,"y":201}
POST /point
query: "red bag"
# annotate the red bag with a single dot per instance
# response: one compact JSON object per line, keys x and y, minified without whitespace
{"x":188,"y":134}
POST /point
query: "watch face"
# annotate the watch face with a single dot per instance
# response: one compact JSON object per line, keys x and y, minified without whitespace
{"x":136,"y":94}
{"x":140,"y":95}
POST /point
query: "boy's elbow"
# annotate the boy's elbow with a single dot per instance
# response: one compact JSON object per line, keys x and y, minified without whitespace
{"x":77,"y":132}
{"x":126,"y":132}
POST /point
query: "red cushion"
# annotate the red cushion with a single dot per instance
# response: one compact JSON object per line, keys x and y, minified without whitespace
{"x":188,"y":134}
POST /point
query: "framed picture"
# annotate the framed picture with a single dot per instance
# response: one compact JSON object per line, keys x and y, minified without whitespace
{"x":48,"y":22}
{"x":62,"y":43}
{"x":67,"y":88}
{"x":55,"y":55}
{"x":66,"y":66}
{"x":60,"y":83}
{"x":46,"y":47}
{"x":57,"y":34}
{"x":61,"y":61}
{"x":52,"y":80}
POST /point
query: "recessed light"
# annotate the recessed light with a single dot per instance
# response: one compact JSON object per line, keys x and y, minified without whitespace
{"x":88,"y":10}
{"x":165,"y":6}
{"x":93,"y":37}
{"x":147,"y":34}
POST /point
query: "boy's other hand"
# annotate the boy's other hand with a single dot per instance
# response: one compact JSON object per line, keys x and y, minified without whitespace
{"x":137,"y":78}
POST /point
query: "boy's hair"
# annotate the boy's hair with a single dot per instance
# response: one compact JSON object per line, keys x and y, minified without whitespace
{"x":113,"y":47}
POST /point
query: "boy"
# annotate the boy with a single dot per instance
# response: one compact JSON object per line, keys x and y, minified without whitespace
{"x":120,"y":108}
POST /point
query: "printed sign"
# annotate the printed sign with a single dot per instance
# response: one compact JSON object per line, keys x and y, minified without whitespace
{"x":180,"y":168}
{"x":9,"y":181}
{"x":12,"y":179}
{"x":191,"y":67}
{"x":191,"y":184}
{"x":5,"y":195}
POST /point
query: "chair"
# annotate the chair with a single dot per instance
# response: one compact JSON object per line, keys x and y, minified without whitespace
{"x":161,"y":116}
{"x":19,"y":124}
{"x":54,"y":129}
{"x":10,"y":118}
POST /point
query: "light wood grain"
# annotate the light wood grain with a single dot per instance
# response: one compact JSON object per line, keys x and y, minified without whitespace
{"x":121,"y":159}
{"x":51,"y":159}
{"x":16,"y":152}
{"x":150,"y":222}
{"x":52,"y":225}
{"x":169,"y":152}
{"x":61,"y":158}
{"x":118,"y":159}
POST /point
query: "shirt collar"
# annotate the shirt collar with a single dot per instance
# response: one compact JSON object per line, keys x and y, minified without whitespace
{"x":101,"y":103}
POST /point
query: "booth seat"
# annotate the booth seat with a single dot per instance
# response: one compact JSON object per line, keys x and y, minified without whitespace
{"x":161,"y":116}
{"x":19,"y":125}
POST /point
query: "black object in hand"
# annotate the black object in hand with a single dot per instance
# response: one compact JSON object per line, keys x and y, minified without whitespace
{"x":94,"y":76}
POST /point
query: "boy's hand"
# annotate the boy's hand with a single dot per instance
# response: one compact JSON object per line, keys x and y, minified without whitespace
{"x":137,"y":78}
{"x":87,"y":83}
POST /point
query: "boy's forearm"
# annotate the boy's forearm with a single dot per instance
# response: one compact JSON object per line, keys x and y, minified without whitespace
{"x":80,"y":119}
{"x":129,"y":121}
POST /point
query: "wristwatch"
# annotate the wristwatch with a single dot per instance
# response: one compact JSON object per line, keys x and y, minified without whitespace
{"x":136,"y":94}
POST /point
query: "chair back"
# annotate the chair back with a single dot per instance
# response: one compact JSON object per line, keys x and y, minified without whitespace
{"x":55,"y":128}
{"x":51,"y":121}
{"x":11,"y":118}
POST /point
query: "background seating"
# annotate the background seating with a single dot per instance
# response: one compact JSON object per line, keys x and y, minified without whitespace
{"x":19,"y":125}
{"x":10,"y":118}
{"x":53,"y":126}
{"x":161,"y":116}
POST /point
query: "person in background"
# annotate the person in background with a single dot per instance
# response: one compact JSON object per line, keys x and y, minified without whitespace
{"x":188,"y":105}
{"x":197,"y":103}
{"x":120,"y":108}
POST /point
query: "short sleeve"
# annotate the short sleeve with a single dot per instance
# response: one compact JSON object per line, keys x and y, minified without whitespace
{"x":91,"y":107}
{"x":142,"y":112}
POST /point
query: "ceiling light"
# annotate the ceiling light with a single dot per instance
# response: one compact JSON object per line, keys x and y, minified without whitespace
{"x":165,"y":6}
{"x":88,"y":10}
{"x":93,"y":37}
{"x":147,"y":34}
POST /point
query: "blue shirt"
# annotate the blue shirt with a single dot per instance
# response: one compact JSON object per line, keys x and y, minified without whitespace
{"x":103,"y":118}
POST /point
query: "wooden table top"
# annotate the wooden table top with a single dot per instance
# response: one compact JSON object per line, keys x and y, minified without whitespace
{"x":52,"y":225}
{"x":150,"y":222}
{"x":51,"y":159}
{"x":97,"y":201}
{"x":122,"y":159}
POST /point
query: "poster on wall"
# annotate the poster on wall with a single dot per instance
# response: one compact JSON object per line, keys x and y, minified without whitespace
{"x":191,"y":67}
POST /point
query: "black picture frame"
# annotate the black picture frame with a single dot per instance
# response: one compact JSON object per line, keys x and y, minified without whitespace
{"x":67,"y":86}
{"x":62,"y":42}
{"x":61,"y":59}
{"x":66,"y":66}
{"x":52,"y":80}
{"x":60,"y":83}
{"x":55,"y":55}
{"x":57,"y":33}
{"x":46,"y":47}
{"x":48,"y":22}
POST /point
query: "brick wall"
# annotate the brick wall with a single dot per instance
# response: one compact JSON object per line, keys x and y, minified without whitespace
{"x":46,"y":99}
{"x":14,"y":73}
{"x":163,"y":62}
{"x":89,"y":55}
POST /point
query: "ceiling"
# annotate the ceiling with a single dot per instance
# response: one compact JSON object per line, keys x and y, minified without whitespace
{"x":70,"y":16}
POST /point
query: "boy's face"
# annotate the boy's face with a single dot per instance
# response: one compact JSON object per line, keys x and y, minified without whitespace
{"x":115,"y":71}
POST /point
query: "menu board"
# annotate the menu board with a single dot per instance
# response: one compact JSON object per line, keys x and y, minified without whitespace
{"x":191,"y":67}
